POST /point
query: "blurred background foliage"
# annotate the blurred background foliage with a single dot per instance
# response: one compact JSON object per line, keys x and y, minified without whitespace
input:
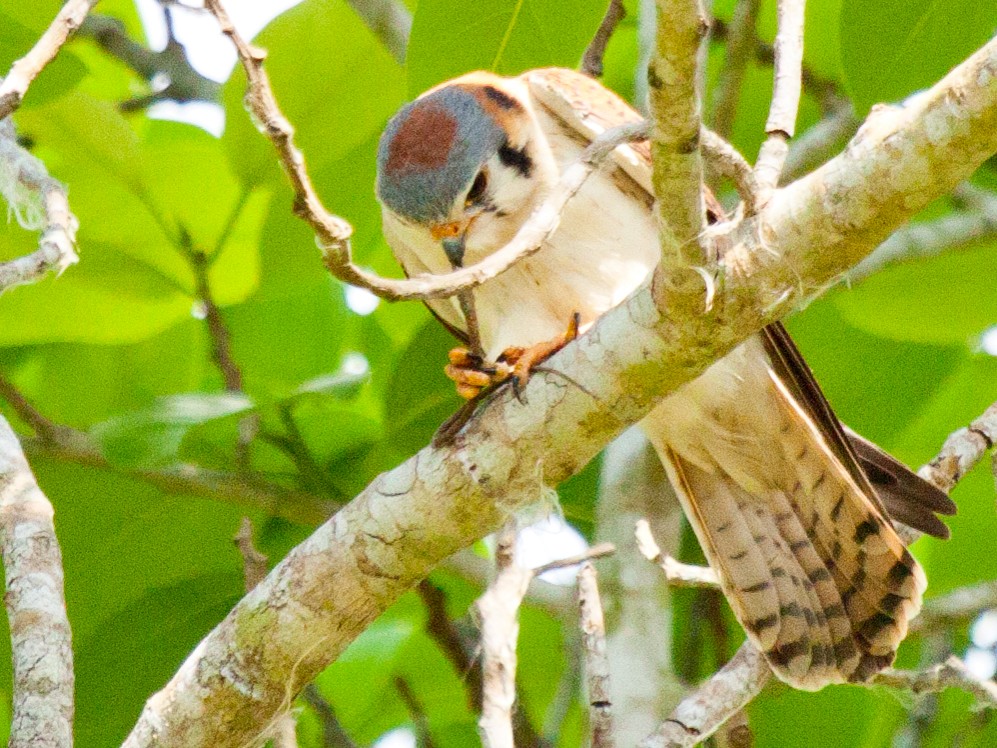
{"x":175,"y":221}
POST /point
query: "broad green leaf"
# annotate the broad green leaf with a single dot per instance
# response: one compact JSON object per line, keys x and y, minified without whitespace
{"x":892,"y":48}
{"x":451,"y":37}
{"x":949,"y":299}
{"x":152,"y":436}
{"x":339,"y":100}
{"x":136,"y":650}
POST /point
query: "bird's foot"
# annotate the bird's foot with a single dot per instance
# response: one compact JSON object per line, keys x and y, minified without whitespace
{"x":472,"y":374}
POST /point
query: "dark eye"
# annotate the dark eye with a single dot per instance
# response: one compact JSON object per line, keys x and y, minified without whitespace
{"x":477,"y":190}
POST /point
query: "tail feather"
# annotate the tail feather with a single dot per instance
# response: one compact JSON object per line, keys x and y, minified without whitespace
{"x":805,"y":554}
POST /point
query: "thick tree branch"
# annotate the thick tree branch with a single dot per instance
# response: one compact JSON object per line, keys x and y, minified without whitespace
{"x":702,"y":712}
{"x":36,"y":606}
{"x":24,"y":71}
{"x":673,"y":78}
{"x":39,"y":202}
{"x":409,"y":519}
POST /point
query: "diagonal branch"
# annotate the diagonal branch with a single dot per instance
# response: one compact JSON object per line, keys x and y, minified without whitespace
{"x":329,"y":588}
{"x":24,"y":71}
{"x":36,"y":606}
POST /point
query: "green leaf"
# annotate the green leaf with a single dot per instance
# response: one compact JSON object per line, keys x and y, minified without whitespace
{"x":153,"y":436}
{"x":948,"y":299}
{"x":891,"y":48}
{"x":136,"y":650}
{"x":451,"y":37}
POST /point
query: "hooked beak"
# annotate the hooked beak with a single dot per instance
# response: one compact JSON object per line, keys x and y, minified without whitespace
{"x":452,"y":236}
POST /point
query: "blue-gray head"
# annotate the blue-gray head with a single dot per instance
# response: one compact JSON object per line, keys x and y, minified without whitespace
{"x":453,"y":156}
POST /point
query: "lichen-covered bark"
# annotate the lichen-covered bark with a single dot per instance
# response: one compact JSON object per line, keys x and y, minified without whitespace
{"x":36,"y":606}
{"x":352,"y":568}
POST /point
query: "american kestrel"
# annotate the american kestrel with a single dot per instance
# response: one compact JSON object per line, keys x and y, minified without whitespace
{"x":781,"y":498}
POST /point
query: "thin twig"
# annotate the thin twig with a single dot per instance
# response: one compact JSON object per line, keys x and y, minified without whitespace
{"x":922,"y":239}
{"x":39,"y":202}
{"x":254,"y":563}
{"x":740,"y":48}
{"x":15,"y":85}
{"x":786,"y":89}
{"x":596,"y":50}
{"x":599,"y":550}
{"x":596,"y":660}
{"x":452,"y":643}
{"x":418,"y":713}
{"x":958,"y":606}
{"x":952,"y":673}
{"x":677,"y":573}
{"x":333,"y":735}
{"x":702,"y":712}
{"x":961,"y":451}
{"x":36,"y":606}
{"x":728,"y":162}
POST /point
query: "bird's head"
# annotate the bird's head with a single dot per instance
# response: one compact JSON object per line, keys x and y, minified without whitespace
{"x":464,"y":165}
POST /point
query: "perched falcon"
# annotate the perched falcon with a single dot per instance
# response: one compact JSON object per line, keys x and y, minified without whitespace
{"x":788,"y":507}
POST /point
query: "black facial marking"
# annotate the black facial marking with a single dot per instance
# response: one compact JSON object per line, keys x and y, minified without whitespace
{"x":516,"y":159}
{"x":477,"y":190}
{"x":504,"y":100}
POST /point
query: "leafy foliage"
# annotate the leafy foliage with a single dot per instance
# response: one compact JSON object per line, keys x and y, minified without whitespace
{"x":118,"y":347}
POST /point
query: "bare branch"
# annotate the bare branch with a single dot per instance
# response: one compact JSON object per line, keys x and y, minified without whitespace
{"x":417,"y":712}
{"x":39,"y":202}
{"x":740,"y":48}
{"x":781,"y":123}
{"x":952,"y":673}
{"x":254,"y":563}
{"x":24,"y":71}
{"x":498,"y":609}
{"x":304,"y":614}
{"x":596,"y":50}
{"x":677,"y":573}
{"x":596,"y":662}
{"x":36,"y":606}
{"x":389,"y":20}
{"x":961,"y":451}
{"x":727,"y":161}
{"x":333,"y":735}
{"x":676,"y":109}
{"x":599,"y":550}
{"x":702,"y":712}
{"x":184,"y":82}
